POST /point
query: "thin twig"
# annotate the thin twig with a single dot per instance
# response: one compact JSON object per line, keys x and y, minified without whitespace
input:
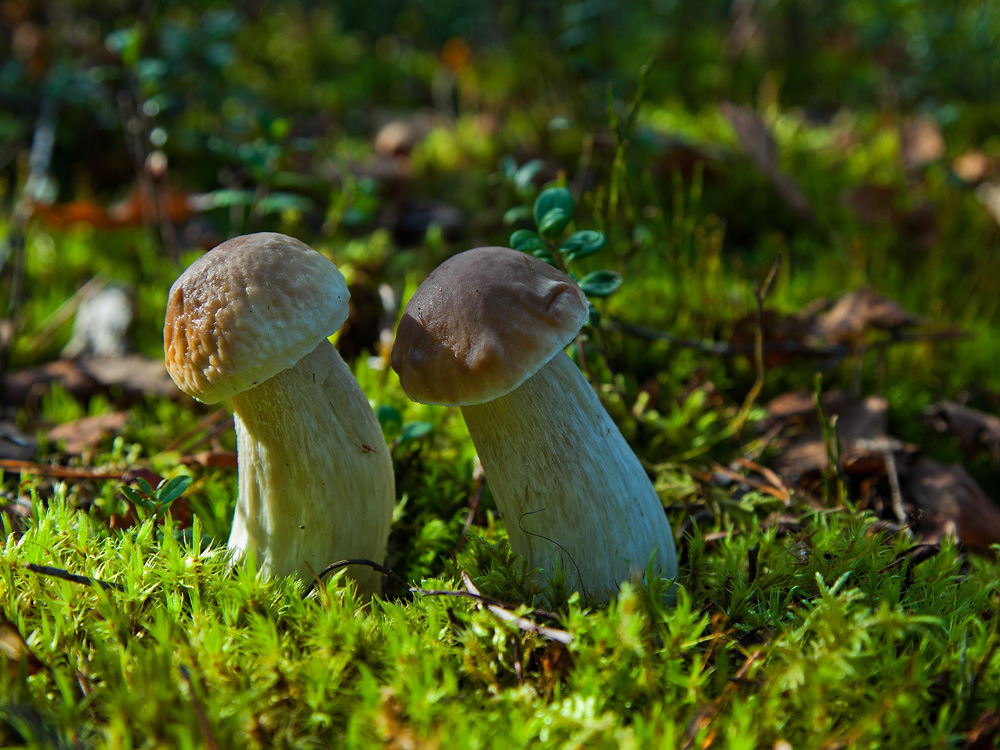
{"x":829,"y":351}
{"x":60,"y":472}
{"x":203,"y":726}
{"x":892,"y":473}
{"x":554,"y":634}
{"x":401,"y":582}
{"x":760,"y":294}
{"x":65,"y":575}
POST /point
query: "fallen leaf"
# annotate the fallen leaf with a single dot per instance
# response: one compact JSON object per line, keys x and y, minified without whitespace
{"x":861,"y":429}
{"x":855,"y":314}
{"x":80,"y":434}
{"x":951,"y":503}
{"x":133,"y":375}
{"x":983,"y":734}
{"x":974,"y":167}
{"x":974,"y":429}
{"x":873,"y":204}
{"x":14,"y":443}
{"x":989,"y":195}
{"x":923,"y":143}
{"x":18,"y":512}
{"x":211,"y":459}
{"x":14,"y":647}
{"x":399,"y":137}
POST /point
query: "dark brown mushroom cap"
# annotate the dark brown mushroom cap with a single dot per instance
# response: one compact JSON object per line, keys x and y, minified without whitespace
{"x":245,"y":311}
{"x":482,"y":323}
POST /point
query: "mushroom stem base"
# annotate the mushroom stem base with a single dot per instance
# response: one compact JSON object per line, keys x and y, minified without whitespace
{"x":572,"y":493}
{"x":315,"y":479}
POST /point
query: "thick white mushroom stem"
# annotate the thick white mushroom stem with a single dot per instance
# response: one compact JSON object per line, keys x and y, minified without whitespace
{"x":315,"y":479}
{"x":572,"y":493}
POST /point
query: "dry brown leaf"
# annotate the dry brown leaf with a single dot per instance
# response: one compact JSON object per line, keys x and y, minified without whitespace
{"x":81,"y":434}
{"x":134,"y":375}
{"x":974,"y":167}
{"x":989,"y":195}
{"x":14,"y":647}
{"x":857,"y":313}
{"x":951,"y":503}
{"x":974,"y":429}
{"x":861,"y":429}
{"x":211,"y":459}
{"x":14,"y":443}
{"x":923,"y":143}
{"x":873,"y":204}
{"x":983,"y":735}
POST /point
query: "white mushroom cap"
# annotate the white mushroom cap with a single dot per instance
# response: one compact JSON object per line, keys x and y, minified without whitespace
{"x":245,"y":311}
{"x":482,"y":323}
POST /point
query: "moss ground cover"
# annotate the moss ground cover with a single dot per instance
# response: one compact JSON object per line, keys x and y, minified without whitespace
{"x":827,"y":598}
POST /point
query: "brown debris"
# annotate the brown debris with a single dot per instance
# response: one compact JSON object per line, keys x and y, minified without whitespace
{"x":860,"y":427}
{"x":136,"y":376}
{"x":974,"y":167}
{"x":15,"y":648}
{"x":906,"y":489}
{"x":951,"y":503}
{"x":857,"y":313}
{"x":82,"y":434}
{"x":974,"y":429}
{"x":923,"y":143}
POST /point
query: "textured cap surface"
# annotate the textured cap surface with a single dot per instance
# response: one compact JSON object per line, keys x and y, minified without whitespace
{"x":482,"y":323}
{"x":245,"y":311}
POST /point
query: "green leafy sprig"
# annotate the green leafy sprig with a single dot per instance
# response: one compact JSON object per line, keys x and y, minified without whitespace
{"x":553,"y":214}
{"x":156,"y":501}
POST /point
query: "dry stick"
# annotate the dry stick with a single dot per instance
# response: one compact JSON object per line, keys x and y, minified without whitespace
{"x":554,"y":634}
{"x":203,"y":726}
{"x":65,"y":575}
{"x":724,"y":349}
{"x":480,"y":479}
{"x":401,"y":582}
{"x":759,"y":293}
{"x":897,"y":495}
{"x":58,"y":472}
{"x":48,"y":328}
{"x":211,"y":420}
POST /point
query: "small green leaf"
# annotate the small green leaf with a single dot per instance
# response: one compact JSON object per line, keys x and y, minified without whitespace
{"x":137,"y":498}
{"x":145,"y":487}
{"x":277,"y":202}
{"x":171,"y":489}
{"x":526,"y":241}
{"x":516,"y":214}
{"x":581,"y":244}
{"x":507,"y":166}
{"x":524,"y":176}
{"x":543,"y":253}
{"x":413,"y":431}
{"x":600,"y":283}
{"x":593,"y":316}
{"x":388,"y":415}
{"x":553,"y":223}
{"x":549,"y":200}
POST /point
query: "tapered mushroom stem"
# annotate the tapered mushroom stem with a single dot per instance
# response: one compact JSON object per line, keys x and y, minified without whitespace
{"x":314,"y":471}
{"x":572,"y":493}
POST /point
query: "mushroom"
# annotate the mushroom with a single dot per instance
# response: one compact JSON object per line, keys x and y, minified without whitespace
{"x":485,"y":332}
{"x":249,"y":321}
